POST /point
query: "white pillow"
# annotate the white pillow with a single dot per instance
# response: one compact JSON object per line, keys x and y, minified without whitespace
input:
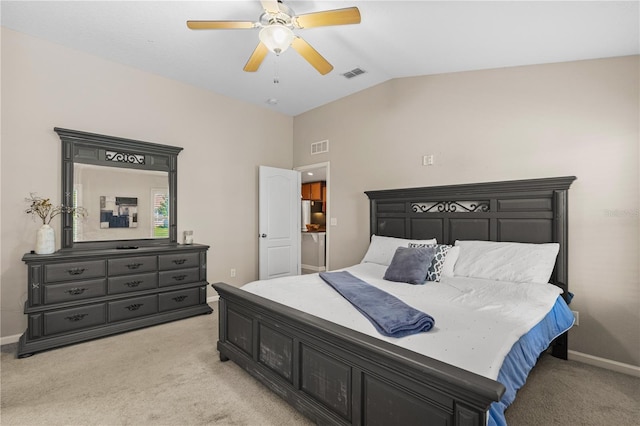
{"x":502,"y":261}
{"x":382,"y":249}
{"x":450,"y":261}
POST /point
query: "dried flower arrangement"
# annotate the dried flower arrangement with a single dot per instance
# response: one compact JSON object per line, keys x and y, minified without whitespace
{"x":46,"y":211}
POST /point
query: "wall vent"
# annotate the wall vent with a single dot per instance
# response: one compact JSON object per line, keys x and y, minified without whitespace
{"x":320,"y":147}
{"x":354,"y":72}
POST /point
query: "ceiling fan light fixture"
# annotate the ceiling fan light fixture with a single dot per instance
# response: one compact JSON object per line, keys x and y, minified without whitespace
{"x":276,"y":37}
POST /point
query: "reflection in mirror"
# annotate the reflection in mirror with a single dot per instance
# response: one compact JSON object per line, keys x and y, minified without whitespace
{"x":122,"y":204}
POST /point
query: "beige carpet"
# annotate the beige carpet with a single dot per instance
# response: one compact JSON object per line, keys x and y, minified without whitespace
{"x":171,"y":375}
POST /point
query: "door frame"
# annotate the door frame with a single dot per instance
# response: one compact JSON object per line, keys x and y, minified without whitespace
{"x":326,"y":166}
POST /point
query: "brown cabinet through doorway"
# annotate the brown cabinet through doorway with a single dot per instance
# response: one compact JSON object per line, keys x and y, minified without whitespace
{"x":313,"y":191}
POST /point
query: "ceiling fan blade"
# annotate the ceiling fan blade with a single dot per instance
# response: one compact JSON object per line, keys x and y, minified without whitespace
{"x":256,"y":58}
{"x":350,"y":15}
{"x":219,"y":25}
{"x":270,"y":5}
{"x":311,"y":55}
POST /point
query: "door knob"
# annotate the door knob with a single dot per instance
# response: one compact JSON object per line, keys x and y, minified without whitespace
{"x":263,"y":236}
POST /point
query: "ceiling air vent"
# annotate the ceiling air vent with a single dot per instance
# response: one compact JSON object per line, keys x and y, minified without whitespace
{"x":354,"y":72}
{"x":320,"y":147}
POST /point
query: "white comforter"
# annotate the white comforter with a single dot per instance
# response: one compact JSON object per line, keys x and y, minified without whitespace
{"x":476,"y":321}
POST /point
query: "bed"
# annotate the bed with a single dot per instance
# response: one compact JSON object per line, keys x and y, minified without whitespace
{"x":337,"y":374}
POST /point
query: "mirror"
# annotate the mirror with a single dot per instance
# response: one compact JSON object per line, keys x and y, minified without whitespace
{"x":127,"y":187}
{"x":121,"y":204}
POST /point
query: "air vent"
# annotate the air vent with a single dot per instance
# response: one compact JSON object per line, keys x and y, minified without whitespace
{"x":354,"y":72}
{"x":319,"y":147}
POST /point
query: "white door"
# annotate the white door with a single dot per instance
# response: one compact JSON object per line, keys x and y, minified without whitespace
{"x":279,"y":230}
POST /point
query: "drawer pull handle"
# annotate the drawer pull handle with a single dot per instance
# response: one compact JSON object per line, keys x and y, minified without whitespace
{"x":134,"y":265}
{"x":179,"y":261}
{"x":75,"y":271}
{"x":132,"y":284}
{"x":134,"y":307}
{"x":76,"y":317}
{"x":179,"y":298}
{"x":76,"y":291}
{"x":179,"y":277}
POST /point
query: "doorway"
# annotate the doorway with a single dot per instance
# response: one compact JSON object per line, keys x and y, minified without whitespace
{"x":320,"y":173}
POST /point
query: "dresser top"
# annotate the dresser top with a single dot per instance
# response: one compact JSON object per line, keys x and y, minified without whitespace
{"x":81,"y":254}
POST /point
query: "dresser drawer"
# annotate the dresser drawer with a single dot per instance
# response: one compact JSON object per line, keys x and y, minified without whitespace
{"x":178,"y":276}
{"x":179,"y":299}
{"x":132,"y":308}
{"x":136,"y":282}
{"x":74,"y":271}
{"x":174,"y":261}
{"x":77,"y":290}
{"x":74,"y":319}
{"x":132,"y":265}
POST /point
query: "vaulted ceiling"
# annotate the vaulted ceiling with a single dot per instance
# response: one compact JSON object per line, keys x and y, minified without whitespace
{"x":395,"y":39}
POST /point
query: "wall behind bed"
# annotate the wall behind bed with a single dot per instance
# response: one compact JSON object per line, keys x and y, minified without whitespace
{"x":576,"y":118}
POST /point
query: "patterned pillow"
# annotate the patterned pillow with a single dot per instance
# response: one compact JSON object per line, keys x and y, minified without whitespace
{"x":435,"y":269}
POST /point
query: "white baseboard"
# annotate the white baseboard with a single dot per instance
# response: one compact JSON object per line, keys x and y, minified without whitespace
{"x":620,"y":367}
{"x":313,"y":268}
{"x":9,"y":339}
{"x":211,"y":299}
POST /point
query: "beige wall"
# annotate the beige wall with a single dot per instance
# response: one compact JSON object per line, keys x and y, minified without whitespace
{"x":45,"y":85}
{"x":578,"y":118}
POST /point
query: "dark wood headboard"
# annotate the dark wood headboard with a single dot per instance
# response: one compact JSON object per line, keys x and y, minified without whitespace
{"x":527,"y":211}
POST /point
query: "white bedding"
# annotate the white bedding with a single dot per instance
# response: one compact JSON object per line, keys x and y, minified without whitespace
{"x":476,"y":321}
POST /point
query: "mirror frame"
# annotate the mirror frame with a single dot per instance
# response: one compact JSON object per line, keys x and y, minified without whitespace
{"x":91,"y":148}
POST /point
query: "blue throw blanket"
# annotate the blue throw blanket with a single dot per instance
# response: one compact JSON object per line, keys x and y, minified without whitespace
{"x":388,"y":314}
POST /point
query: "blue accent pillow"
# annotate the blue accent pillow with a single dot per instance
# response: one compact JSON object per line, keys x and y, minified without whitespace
{"x":410,"y":265}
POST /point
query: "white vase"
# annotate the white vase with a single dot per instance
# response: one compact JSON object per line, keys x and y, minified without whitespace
{"x":45,"y":240}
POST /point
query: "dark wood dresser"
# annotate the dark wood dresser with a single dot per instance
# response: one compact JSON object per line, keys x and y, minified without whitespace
{"x":77,"y":295}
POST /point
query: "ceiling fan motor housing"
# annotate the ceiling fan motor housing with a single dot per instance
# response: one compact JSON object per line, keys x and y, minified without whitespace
{"x":283,"y":17}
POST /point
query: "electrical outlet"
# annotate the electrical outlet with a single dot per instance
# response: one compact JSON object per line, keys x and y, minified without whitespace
{"x":427,"y":160}
{"x":576,"y":315}
{"x":233,"y":272}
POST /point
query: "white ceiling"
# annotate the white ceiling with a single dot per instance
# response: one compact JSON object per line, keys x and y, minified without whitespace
{"x":395,"y":39}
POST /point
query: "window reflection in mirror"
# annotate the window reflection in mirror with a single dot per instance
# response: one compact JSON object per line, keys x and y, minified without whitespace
{"x":121,"y":203}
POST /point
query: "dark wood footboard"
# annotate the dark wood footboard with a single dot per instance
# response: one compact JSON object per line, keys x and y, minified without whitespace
{"x":335,"y":376}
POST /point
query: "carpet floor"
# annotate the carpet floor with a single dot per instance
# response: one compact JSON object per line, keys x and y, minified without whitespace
{"x":171,"y":375}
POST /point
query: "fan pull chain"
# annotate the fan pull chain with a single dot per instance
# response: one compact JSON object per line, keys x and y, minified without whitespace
{"x":276,"y":82}
{"x":276,"y":79}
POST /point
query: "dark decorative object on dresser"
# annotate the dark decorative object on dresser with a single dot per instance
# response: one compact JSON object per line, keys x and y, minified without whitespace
{"x":107,"y":281}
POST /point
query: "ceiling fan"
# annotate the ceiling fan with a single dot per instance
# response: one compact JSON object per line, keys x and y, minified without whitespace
{"x":276,"y":35}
